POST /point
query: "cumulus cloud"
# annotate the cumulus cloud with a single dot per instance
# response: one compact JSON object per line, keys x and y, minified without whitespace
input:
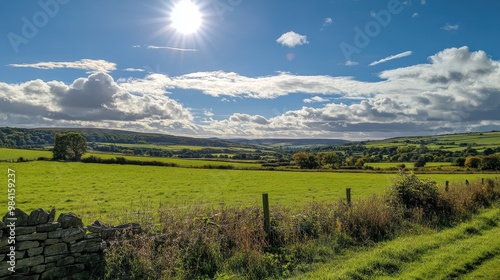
{"x":392,"y":57}
{"x":90,"y":65}
{"x":96,"y":100}
{"x":292,"y":39}
{"x":456,"y":90}
{"x":449,"y":27}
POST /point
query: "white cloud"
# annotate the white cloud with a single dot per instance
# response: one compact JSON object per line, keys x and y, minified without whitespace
{"x":392,"y":57}
{"x":449,"y":27}
{"x":327,"y":21}
{"x":457,"y":89}
{"x":316,"y":99}
{"x":292,"y":39}
{"x":91,"y":65}
{"x":171,"y":48}
{"x":133,"y":70}
{"x":208,"y":113}
{"x":423,"y":2}
{"x":96,"y":100}
{"x":351,"y":63}
{"x":415,"y":15}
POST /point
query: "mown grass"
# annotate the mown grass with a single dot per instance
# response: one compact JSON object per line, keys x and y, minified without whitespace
{"x":469,"y":250}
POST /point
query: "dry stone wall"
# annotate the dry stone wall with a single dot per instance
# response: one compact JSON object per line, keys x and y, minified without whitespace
{"x":37,"y":246}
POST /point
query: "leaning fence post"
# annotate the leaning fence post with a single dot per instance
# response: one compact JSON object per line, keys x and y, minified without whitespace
{"x":447,"y":186}
{"x":267,"y":220}
{"x":348,"y":196}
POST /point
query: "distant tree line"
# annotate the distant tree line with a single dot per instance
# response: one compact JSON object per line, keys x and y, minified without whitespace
{"x":37,"y":138}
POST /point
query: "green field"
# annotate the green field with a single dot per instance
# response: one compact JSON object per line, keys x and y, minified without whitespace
{"x":86,"y":188}
{"x":14,"y":154}
{"x":469,"y":251}
{"x":479,"y":141}
{"x":386,"y":165}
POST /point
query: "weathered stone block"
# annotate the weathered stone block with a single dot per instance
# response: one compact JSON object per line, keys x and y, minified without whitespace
{"x":77,"y":247}
{"x":31,"y":237}
{"x":84,"y":275}
{"x":38,"y":216}
{"x":24,"y":277}
{"x":95,"y":235}
{"x":49,"y":265}
{"x":66,"y":261}
{"x":29,"y":262}
{"x":25,"y":230}
{"x":55,"y":273}
{"x":91,"y":247}
{"x":35,"y":251}
{"x":61,"y":233}
{"x":20,"y":255}
{"x":97,"y":227}
{"x":52,"y":215}
{"x":75,"y":236}
{"x":68,"y":220}
{"x":51,"y":226}
{"x":24,"y":245}
{"x":54,"y":259}
{"x":22,"y":217}
{"x":38,"y":269}
{"x":56,"y":249}
{"x":51,"y":241}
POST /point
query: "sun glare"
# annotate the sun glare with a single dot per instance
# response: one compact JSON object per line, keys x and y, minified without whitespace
{"x":186,"y":17}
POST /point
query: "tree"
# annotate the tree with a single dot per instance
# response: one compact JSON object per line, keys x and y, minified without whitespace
{"x":69,"y":146}
{"x":330,"y":159}
{"x":473,"y":162}
{"x":421,"y":161}
{"x":305,"y":160}
{"x":491,"y":162}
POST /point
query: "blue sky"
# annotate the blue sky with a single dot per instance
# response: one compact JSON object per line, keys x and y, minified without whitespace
{"x":351,"y":69}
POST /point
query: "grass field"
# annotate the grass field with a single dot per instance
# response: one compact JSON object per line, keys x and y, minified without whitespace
{"x":182,"y":162}
{"x":14,"y":154}
{"x":468,"y":251}
{"x":86,"y":188}
{"x":479,"y":141}
{"x":386,"y":165}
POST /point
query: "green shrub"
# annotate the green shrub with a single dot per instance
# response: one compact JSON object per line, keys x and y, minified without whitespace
{"x":412,"y":193}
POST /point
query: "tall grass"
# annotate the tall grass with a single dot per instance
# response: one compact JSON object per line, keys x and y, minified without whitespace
{"x":230,"y":243}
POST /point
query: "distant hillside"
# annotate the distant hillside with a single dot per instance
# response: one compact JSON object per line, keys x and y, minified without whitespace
{"x":22,"y":137}
{"x":452,"y":142}
{"x":289,"y":143}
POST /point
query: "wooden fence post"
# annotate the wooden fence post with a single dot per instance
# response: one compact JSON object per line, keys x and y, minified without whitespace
{"x":482,"y":181}
{"x":466,"y":182}
{"x":447,"y":186}
{"x":267,"y":219}
{"x":348,"y":196}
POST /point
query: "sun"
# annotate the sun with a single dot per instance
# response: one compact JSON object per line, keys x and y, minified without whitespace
{"x":186,"y":17}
